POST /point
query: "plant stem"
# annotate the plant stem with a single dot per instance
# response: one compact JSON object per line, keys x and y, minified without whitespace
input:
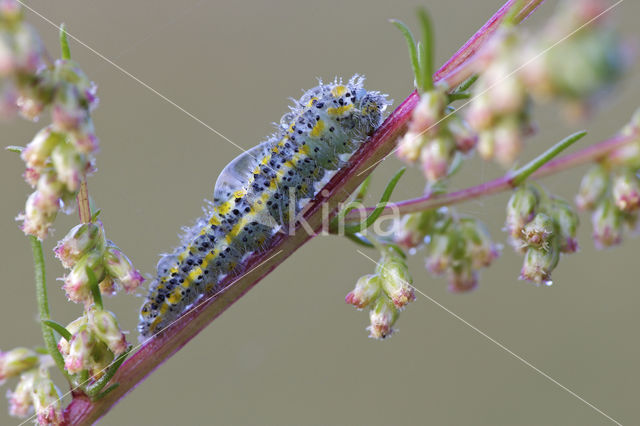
{"x":508,"y":181}
{"x":84,"y":208}
{"x":43,"y":304}
{"x":154,"y":351}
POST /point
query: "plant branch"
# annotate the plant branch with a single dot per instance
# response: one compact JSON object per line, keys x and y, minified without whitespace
{"x":156,"y":350}
{"x":508,"y":181}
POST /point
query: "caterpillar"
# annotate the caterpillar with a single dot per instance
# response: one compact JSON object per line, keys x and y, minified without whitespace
{"x":256,"y":194}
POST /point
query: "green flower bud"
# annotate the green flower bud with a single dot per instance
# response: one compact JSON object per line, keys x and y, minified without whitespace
{"x":607,"y":225}
{"x":410,"y":230}
{"x":521,"y":210}
{"x":396,"y":281}
{"x":436,"y":156}
{"x":462,"y":278}
{"x":480,"y":249}
{"x":46,"y":400}
{"x":538,"y":232}
{"x":592,"y":187}
{"x":626,"y":191}
{"x":79,"y":240}
{"x":538,"y":264}
{"x":566,"y":221}
{"x":15,"y":361}
{"x":105,"y":327}
{"x":382,"y":317}
{"x":366,"y":291}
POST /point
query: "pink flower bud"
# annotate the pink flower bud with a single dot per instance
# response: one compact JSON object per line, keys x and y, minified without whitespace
{"x":382,"y":317}
{"x":465,"y":138}
{"x":29,"y":107}
{"x":592,"y":187}
{"x":37,"y":152}
{"x":120,"y":267}
{"x":367,"y":290}
{"x":79,"y":356}
{"x":506,"y":93}
{"x":439,"y":254}
{"x":411,"y":229}
{"x":436,"y":156}
{"x":409,"y":147}
{"x":626,"y":191}
{"x":462,"y":279}
{"x":21,"y":400}
{"x":46,"y":399}
{"x":538,"y":232}
{"x":486,"y":144}
{"x":15,"y":361}
{"x":396,"y":281}
{"x":68,"y":165}
{"x":105,"y":327}
{"x":76,"y":282}
{"x":607,"y":225}
{"x":84,"y":138}
{"x":49,"y":193}
{"x":507,"y":141}
{"x":538,"y":264}
{"x":428,"y":112}
{"x":520,"y":210}
{"x":566,"y":221}
{"x":36,"y":221}
{"x":479,"y":115}
{"x":74,"y":327}
{"x":78,"y":241}
{"x":480,"y":249}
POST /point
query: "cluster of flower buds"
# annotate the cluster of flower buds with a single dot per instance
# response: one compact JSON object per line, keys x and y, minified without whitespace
{"x":611,"y":190}
{"x":386,"y":293}
{"x":499,"y":108}
{"x":21,"y":57}
{"x":96,"y":339}
{"x":84,"y":249}
{"x":435,"y":136}
{"x":35,"y":389}
{"x":589,"y":59}
{"x":458,"y":247}
{"x":541,"y":227}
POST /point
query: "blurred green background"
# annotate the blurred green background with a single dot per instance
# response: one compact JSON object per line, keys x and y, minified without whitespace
{"x":291,"y":351}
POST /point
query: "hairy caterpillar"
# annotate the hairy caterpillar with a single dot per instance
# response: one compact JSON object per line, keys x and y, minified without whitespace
{"x":256,"y":193}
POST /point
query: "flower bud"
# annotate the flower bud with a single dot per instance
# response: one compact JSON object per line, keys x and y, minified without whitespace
{"x":78,"y":241}
{"x":506,"y":92}
{"x":521,"y":210}
{"x":486,"y":144}
{"x":46,"y":399}
{"x":74,"y":327}
{"x":538,"y":264}
{"x":465,"y":138}
{"x":29,"y":107}
{"x":626,"y":191}
{"x":84,"y":138}
{"x":49,"y":193}
{"x":566,"y":223}
{"x":428,"y":112}
{"x":382,"y":317}
{"x":105,"y":327}
{"x":120,"y":267}
{"x":607,"y":224}
{"x":592,"y":187}
{"x":435,"y":157}
{"x":462,"y":278}
{"x":366,"y":291}
{"x":396,"y":281}
{"x":76,"y":282}
{"x":68,"y":165}
{"x":36,"y":221}
{"x":410,"y":230}
{"x":538,"y":232}
{"x":480,"y":249}
{"x":78,"y":357}
{"x":21,"y":400}
{"x":480,"y":116}
{"x":37,"y":152}
{"x":507,"y":141}
{"x":409,"y":147}
{"x":439,"y":253}
{"x":15,"y":361}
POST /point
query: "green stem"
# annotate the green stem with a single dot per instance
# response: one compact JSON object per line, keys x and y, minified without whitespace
{"x":43,"y":304}
{"x":528,"y":169}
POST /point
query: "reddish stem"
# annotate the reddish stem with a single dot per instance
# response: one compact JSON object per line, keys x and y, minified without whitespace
{"x":429,"y":202}
{"x":84,"y":208}
{"x":155,"y":351}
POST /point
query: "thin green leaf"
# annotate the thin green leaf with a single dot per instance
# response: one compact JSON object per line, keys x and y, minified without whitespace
{"x":360,"y":239}
{"x":361,"y":192}
{"x":64,"y":43}
{"x":427,"y":45}
{"x":95,"y":214}
{"x":458,"y":96}
{"x":59,"y":328}
{"x":41,"y":350}
{"x":466,"y":85}
{"x":95,"y":288}
{"x":14,"y":148}
{"x":413,"y":54}
{"x":528,"y":169}
{"x":375,"y":214}
{"x":107,"y":390}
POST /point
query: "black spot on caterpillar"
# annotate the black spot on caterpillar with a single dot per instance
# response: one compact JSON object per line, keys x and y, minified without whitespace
{"x":252,"y":196}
